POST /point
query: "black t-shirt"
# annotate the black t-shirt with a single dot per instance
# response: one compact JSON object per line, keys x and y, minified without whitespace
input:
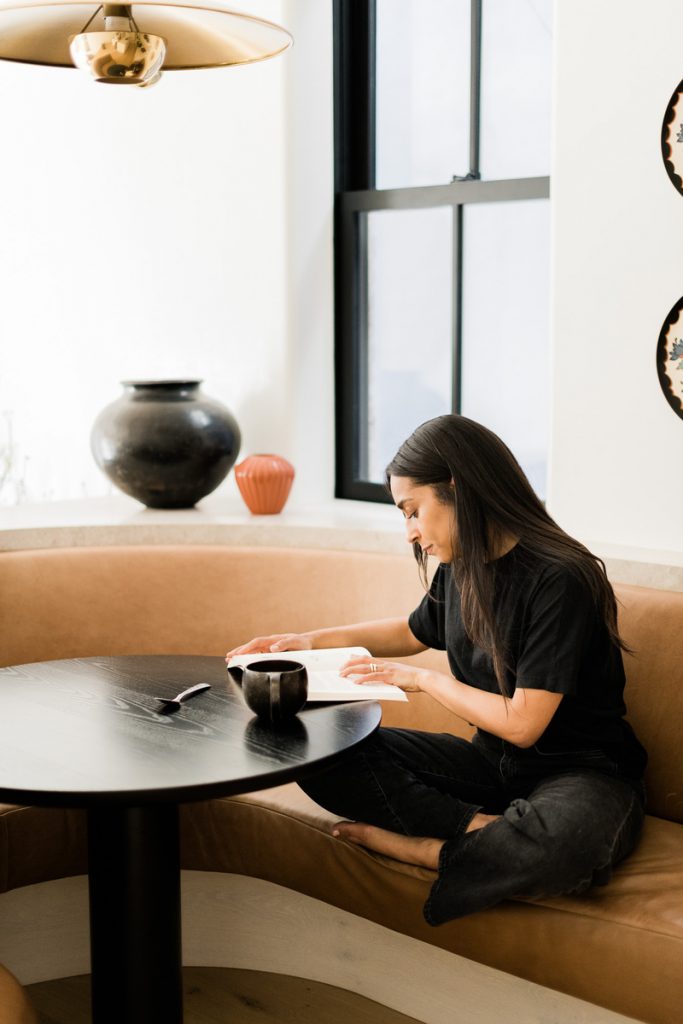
{"x":555,"y":640}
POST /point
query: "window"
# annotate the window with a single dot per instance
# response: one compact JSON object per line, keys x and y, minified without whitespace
{"x":442,"y":225}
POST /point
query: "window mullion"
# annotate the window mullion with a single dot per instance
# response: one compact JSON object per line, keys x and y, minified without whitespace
{"x":355,"y":122}
{"x":361,"y":349}
{"x":456,"y":383}
{"x":475,"y":88}
{"x":461,"y":191}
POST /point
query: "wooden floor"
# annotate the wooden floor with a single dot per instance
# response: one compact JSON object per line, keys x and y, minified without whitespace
{"x":216,"y":995}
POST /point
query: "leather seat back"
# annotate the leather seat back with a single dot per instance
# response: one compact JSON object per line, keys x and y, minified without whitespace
{"x":86,"y":602}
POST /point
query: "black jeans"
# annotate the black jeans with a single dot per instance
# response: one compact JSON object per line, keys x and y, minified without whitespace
{"x":564,"y":824}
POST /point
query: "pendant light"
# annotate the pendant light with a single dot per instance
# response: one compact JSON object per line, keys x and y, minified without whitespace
{"x":132,"y":44}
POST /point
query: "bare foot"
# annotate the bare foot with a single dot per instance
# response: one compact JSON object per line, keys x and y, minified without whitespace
{"x":480,"y":820}
{"x":410,"y":849}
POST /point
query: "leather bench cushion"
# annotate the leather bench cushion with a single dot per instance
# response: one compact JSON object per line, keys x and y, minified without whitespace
{"x":651,"y":623}
{"x":157,"y":599}
{"x":14,"y":1004}
{"x":82,"y":602}
{"x":620,"y":946}
{"x":38,"y":844}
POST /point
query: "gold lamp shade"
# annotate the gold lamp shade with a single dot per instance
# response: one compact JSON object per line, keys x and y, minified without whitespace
{"x":194,"y":36}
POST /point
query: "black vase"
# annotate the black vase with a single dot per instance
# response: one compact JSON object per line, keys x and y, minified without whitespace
{"x":165,"y":443}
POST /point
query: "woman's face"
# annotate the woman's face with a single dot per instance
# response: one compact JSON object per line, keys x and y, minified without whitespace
{"x":428,"y":521}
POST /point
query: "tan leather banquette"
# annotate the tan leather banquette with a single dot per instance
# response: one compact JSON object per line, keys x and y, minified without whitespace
{"x":14,"y":1006}
{"x":620,"y":946}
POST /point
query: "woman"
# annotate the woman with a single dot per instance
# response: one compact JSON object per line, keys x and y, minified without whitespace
{"x":548,"y":796}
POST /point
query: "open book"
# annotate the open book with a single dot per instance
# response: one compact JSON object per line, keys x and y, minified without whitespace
{"x":324,"y":681}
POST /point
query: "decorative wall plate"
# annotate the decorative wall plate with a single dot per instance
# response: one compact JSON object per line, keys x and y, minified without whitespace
{"x":672,"y":138}
{"x":670,"y":358}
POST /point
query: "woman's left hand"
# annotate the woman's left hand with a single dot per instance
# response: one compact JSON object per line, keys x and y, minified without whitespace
{"x":395,"y":673}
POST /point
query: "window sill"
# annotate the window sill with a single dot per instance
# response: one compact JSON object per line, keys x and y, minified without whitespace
{"x":340,"y":525}
{"x":118,"y":520}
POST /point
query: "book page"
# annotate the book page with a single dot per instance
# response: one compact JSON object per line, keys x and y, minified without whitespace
{"x":324,"y":681}
{"x":326,"y":659}
{"x":329,"y":685}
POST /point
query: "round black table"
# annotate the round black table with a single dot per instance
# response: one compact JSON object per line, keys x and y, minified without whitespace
{"x":89,"y":733}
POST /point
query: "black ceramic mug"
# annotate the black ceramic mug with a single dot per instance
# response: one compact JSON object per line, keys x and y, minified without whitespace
{"x":275,"y":690}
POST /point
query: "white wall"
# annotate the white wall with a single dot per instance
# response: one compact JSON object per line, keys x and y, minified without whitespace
{"x":184,"y":230}
{"x":616,"y":443}
{"x":144,"y":235}
{"x":309,"y":140}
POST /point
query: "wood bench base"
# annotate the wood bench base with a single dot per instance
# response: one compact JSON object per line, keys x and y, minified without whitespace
{"x":247,"y":923}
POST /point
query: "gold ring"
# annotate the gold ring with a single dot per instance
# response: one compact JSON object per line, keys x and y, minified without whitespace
{"x":374,"y":667}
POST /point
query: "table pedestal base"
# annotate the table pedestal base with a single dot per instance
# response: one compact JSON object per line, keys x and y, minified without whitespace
{"x":134,"y":881}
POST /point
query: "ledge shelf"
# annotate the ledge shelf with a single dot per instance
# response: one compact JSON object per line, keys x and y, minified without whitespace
{"x":336,"y":525}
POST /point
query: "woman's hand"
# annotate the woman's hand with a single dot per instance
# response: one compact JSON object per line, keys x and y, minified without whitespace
{"x":405,"y":677}
{"x":273,"y":644}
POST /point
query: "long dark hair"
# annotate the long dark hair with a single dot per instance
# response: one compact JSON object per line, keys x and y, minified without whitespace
{"x":492,"y":500}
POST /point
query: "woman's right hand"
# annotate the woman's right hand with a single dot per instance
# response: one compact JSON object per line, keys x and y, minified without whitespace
{"x":273,"y":644}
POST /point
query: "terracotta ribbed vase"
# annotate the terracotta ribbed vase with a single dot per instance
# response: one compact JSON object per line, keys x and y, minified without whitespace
{"x":264,"y":482}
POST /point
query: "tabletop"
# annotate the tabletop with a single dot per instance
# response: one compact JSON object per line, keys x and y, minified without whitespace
{"x":82,"y":731}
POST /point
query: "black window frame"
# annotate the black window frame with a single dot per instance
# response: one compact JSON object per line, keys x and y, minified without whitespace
{"x":354,"y":24}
